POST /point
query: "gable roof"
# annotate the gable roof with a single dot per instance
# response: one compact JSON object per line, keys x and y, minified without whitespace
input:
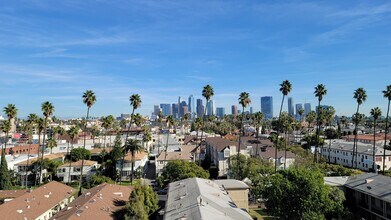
{"x":137,"y":156}
{"x":48,"y":156}
{"x":33,"y":204}
{"x":176,"y":155}
{"x":100,"y":202}
{"x":78,"y":163}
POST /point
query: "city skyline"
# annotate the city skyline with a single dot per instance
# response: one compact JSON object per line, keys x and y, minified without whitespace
{"x":120,"y":48}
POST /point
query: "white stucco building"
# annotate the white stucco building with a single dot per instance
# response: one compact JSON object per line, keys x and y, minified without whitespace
{"x":70,"y":172}
{"x":341,"y":152}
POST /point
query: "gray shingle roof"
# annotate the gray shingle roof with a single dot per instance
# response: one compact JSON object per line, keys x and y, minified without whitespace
{"x":197,"y":198}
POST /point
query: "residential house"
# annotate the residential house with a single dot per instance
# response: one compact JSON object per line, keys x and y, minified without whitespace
{"x":140,"y":164}
{"x":32,"y":168}
{"x":166,"y":157}
{"x":70,"y":172}
{"x":197,"y":198}
{"x":220,"y":151}
{"x":40,"y":204}
{"x":101,"y":202}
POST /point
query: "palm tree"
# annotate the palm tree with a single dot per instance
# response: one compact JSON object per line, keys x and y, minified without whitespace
{"x":207,"y":93}
{"x":376,"y":113}
{"x":31,"y":123}
{"x":47,"y":109}
{"x":159,"y":119}
{"x":387,"y":95}
{"x":285,"y":89}
{"x":198,"y":125}
{"x":51,"y":143}
{"x":131,"y":146}
{"x":135,"y":102}
{"x":89,"y":99}
{"x":329,"y":118}
{"x":72,"y":133}
{"x":301,"y":113}
{"x":258,"y":117}
{"x":170,"y":122}
{"x":11,"y":111}
{"x":360,"y":95}
{"x":320,"y":91}
{"x":244,"y":101}
{"x":146,"y":135}
{"x":40,"y":126}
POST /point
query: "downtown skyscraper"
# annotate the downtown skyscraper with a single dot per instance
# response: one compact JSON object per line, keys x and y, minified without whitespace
{"x":267,"y":106}
{"x":291,"y":109}
{"x":191,"y":106}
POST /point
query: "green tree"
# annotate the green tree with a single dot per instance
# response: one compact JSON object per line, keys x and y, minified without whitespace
{"x":133,"y":146}
{"x":285,"y":89}
{"x":47,"y":109}
{"x":80,"y":154}
{"x":135,"y":102}
{"x":244,"y":101}
{"x":360,"y":95}
{"x":376,"y":113}
{"x":5,"y":179}
{"x":31,"y":123}
{"x":142,"y":202}
{"x":299,"y":193}
{"x":387,"y":95}
{"x":170,"y":123}
{"x":207,"y":93}
{"x":178,"y":170}
{"x":11,"y":111}
{"x":51,"y":143}
{"x":258,"y":117}
{"x":89,"y":99}
{"x":115,"y":154}
{"x":320,"y":91}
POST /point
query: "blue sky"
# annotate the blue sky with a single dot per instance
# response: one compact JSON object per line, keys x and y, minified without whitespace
{"x":55,"y":50}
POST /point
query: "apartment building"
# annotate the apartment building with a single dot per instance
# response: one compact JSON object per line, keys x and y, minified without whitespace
{"x":341,"y":152}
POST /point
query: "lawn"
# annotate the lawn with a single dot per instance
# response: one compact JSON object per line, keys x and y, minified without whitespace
{"x":260,"y":214}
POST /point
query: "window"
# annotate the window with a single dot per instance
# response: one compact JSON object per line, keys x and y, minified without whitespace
{"x":379,"y":159}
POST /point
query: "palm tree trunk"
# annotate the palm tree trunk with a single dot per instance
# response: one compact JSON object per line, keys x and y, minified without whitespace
{"x":28,"y":160}
{"x":317,"y":132}
{"x":355,"y":140}
{"x":256,"y":149}
{"x":278,"y":134}
{"x":202,"y":132}
{"x":374,"y":146}
{"x":285,"y":149}
{"x":35,"y":168}
{"x":168,"y":134}
{"x":132,"y":168}
{"x":70,"y":164}
{"x":43,"y":148}
{"x":385,"y":138}
{"x":330,"y":150}
{"x":122,"y":167}
{"x":241,"y":131}
{"x":104,"y":141}
{"x":84,"y":147}
{"x":126,"y":139}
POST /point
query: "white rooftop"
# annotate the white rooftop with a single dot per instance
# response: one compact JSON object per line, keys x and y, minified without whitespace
{"x":197,"y":198}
